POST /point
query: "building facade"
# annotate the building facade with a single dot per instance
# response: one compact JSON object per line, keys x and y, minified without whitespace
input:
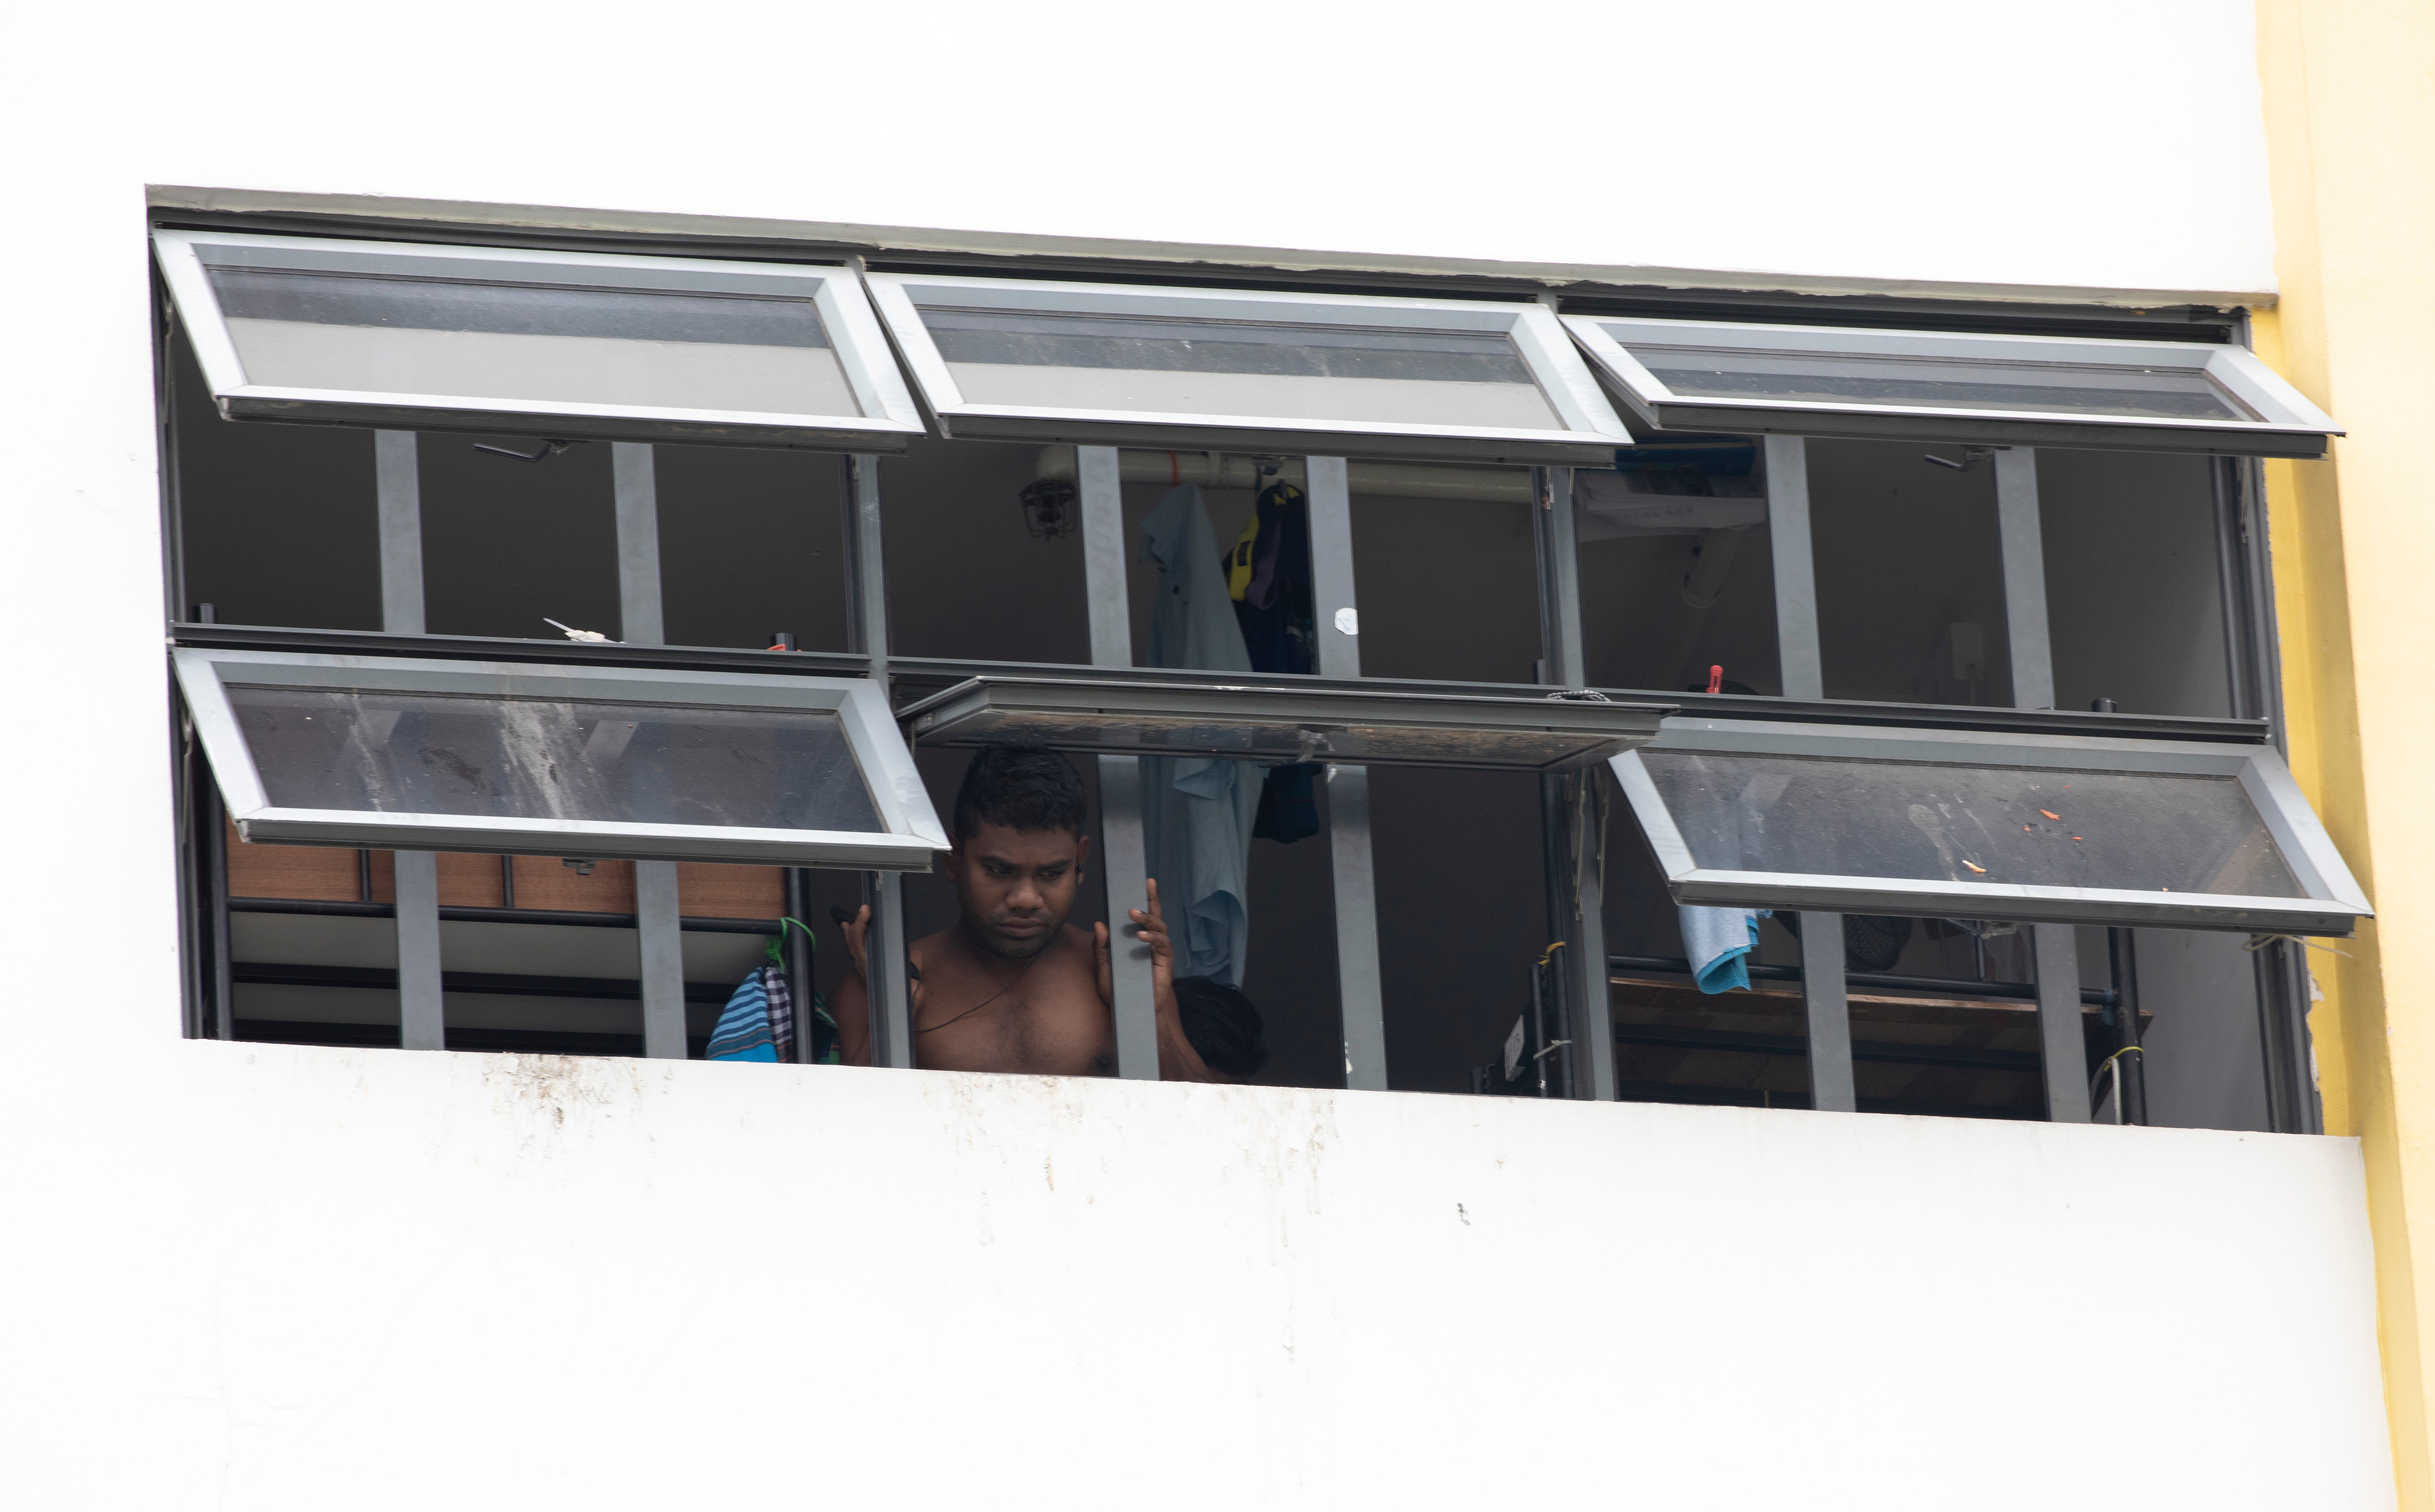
{"x":1914,"y":393}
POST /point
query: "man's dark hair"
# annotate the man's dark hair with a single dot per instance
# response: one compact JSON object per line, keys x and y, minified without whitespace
{"x":1021,"y":787}
{"x":1222,"y":1025}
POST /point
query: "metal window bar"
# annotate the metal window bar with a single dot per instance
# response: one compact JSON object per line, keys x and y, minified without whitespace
{"x":2254,"y":672}
{"x":1570,"y":810}
{"x":1124,"y":863}
{"x":213,"y":818}
{"x":421,"y":1001}
{"x":2054,"y":947}
{"x":798,"y":953}
{"x":891,"y":1000}
{"x":1361,"y":992}
{"x":1825,"y":996}
{"x":658,"y":937}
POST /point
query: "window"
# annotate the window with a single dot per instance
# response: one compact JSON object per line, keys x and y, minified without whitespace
{"x":1986,"y":825}
{"x":488,"y":338}
{"x":1441,"y":537}
{"x":1933,"y":386}
{"x":559,"y":760}
{"x":1456,"y":379}
{"x":1376,"y":727}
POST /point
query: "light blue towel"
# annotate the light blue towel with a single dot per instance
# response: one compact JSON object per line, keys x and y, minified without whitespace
{"x":1718,"y":942}
{"x":1197,"y":813}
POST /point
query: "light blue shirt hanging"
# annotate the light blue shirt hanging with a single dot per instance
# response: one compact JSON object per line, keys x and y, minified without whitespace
{"x":1197,"y":813}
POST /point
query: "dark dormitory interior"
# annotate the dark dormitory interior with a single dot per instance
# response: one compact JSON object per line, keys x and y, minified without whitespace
{"x":275,"y":525}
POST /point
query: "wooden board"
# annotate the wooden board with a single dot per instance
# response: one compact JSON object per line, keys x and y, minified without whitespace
{"x":331,"y":875}
{"x":2005,"y":1025}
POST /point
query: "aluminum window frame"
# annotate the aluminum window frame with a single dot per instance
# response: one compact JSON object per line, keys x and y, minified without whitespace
{"x":2334,"y":906}
{"x":889,"y":421}
{"x":961,"y":716}
{"x":1563,"y":380}
{"x":2292,"y":426}
{"x":911,"y":839}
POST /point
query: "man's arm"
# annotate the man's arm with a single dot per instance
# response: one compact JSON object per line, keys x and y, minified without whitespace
{"x":850,"y":1006}
{"x":1177,"y":1060}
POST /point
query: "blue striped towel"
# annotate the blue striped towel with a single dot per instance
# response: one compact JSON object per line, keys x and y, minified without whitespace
{"x":758,"y":1023}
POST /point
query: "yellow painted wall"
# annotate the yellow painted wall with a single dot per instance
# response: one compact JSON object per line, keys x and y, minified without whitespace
{"x":2350,"y":110}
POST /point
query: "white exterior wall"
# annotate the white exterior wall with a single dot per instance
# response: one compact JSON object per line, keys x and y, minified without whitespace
{"x":2076,"y":143}
{"x":261,"y":1276}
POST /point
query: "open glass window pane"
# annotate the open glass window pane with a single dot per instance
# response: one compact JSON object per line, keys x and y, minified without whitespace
{"x":1276,"y":724}
{"x":559,"y":343}
{"x":2049,"y":391}
{"x":558,"y":760}
{"x":1294,"y":372}
{"x":1975,"y":824}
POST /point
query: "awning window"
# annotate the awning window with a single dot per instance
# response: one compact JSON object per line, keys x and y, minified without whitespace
{"x":558,"y":760}
{"x":2071,"y":391}
{"x":1973,"y":824}
{"x":1279,"y":724}
{"x":555,"y":343}
{"x":1301,"y":374}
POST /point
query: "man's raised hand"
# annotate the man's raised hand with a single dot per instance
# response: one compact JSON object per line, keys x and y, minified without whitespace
{"x":857,"y":947}
{"x":1149,"y":927}
{"x":1152,"y":926}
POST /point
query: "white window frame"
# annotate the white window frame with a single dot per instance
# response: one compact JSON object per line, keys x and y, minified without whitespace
{"x":1276,"y":723}
{"x":1592,"y":428}
{"x":890,"y":417}
{"x":912,"y":836}
{"x":2292,"y":427}
{"x":2333,"y":903}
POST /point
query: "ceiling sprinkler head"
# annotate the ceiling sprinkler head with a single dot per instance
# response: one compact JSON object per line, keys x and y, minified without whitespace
{"x":1048,"y":508}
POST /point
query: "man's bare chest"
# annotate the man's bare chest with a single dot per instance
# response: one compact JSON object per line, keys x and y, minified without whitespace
{"x":1057,"y":1027}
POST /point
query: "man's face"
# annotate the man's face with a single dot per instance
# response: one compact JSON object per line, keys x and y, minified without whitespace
{"x":1016,"y":886}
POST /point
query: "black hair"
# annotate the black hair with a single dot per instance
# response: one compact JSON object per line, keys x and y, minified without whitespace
{"x":1021,"y":787}
{"x":1222,"y":1025}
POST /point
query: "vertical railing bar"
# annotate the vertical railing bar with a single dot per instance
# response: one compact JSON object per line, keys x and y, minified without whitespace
{"x":399,"y":476}
{"x":1361,"y":991}
{"x":1800,"y":666}
{"x":1801,"y":669}
{"x":892,"y":1004}
{"x":659,"y":937}
{"x":1827,"y":1006}
{"x":2055,"y":948}
{"x":635,"y":479}
{"x":2029,"y":648}
{"x":214,"y":820}
{"x":1124,"y":863}
{"x":1589,"y":1000}
{"x":659,"y":930}
{"x":422,"y":1011}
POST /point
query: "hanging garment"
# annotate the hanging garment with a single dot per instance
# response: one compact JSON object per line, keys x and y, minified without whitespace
{"x":1718,"y":942}
{"x":1268,"y":576}
{"x":758,"y":1023}
{"x":1197,"y":813}
{"x":1268,"y":579}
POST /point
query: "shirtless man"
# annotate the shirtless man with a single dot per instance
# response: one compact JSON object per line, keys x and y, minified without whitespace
{"x":1012,"y":986}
